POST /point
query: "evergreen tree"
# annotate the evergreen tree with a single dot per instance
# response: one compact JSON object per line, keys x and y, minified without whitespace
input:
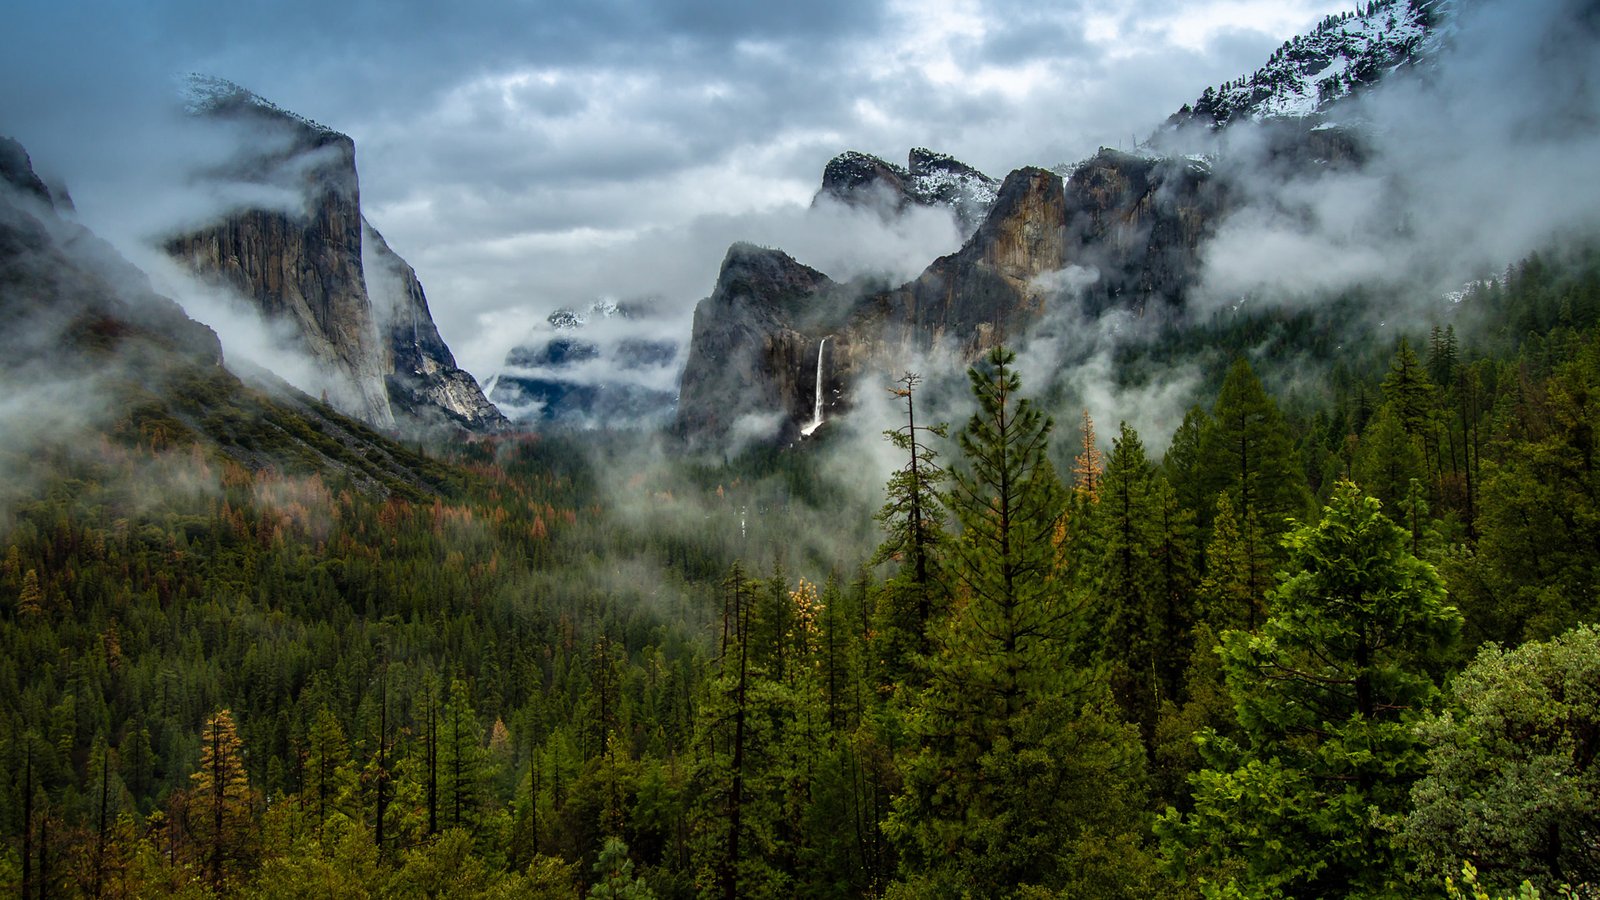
{"x":1247,"y":452}
{"x":219,"y":814}
{"x":1088,"y":467}
{"x":913,"y":522}
{"x":462,"y":763}
{"x":614,"y":878}
{"x":1130,"y":585}
{"x":1409,"y":390}
{"x":1327,"y":697}
{"x":330,"y":780}
{"x":1182,"y":465}
{"x":1020,"y":766}
{"x":1388,"y":458}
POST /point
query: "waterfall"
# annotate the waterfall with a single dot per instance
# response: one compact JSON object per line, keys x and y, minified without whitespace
{"x":816,"y":410}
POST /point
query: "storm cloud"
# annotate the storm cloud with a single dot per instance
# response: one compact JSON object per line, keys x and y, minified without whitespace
{"x":525,"y":157}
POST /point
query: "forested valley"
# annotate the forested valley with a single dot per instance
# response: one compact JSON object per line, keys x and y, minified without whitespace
{"x":1335,"y":642}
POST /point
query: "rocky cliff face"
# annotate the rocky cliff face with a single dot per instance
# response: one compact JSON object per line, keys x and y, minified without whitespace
{"x":65,"y":291}
{"x":751,"y":371}
{"x":927,"y":179}
{"x":1123,"y":231}
{"x":988,"y":291}
{"x":424,"y":383}
{"x":1138,"y":223}
{"x":1132,"y":226}
{"x":307,"y":266}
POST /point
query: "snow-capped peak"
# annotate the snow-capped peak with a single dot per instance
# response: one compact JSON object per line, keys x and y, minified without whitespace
{"x":1343,"y":54}
{"x":203,"y":94}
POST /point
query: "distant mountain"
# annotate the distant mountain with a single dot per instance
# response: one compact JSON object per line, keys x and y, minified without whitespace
{"x":1343,"y":55}
{"x":928,"y":179}
{"x":599,"y":367}
{"x":356,"y":306}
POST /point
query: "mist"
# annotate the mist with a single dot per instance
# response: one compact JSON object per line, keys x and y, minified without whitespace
{"x":1475,"y":162}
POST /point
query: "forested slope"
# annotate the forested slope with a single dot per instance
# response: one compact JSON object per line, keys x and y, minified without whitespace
{"x":484,"y":679}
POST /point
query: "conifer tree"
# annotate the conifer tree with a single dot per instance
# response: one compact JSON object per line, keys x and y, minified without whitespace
{"x":1182,"y":465}
{"x":1327,"y":696}
{"x":462,"y":772}
{"x":614,"y":878}
{"x":1233,"y":592}
{"x":1018,"y":758}
{"x":1129,"y":585}
{"x":1388,"y":458}
{"x":1246,"y":451}
{"x":220,"y":801}
{"x":913,"y":523}
{"x":1409,"y":389}
{"x":330,"y":781}
{"x":1088,"y":467}
{"x":30,"y":602}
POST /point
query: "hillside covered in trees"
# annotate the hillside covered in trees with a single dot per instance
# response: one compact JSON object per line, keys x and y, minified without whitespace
{"x":1339,"y":646}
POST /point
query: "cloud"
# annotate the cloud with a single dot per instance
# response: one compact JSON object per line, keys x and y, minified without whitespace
{"x":1475,"y":162}
{"x":534,"y":155}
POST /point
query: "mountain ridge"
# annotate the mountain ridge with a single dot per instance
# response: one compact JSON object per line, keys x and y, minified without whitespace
{"x":310,"y":267}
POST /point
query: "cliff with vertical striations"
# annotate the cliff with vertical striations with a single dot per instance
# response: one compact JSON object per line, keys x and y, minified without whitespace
{"x":305,"y":264}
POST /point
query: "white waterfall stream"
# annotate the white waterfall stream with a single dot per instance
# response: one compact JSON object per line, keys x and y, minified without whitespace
{"x":816,"y":410}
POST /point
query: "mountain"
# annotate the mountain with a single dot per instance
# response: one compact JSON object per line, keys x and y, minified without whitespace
{"x":424,"y":383}
{"x":91,"y":356}
{"x":1343,"y":55}
{"x":754,"y":349}
{"x":66,"y":293}
{"x":1123,"y":231}
{"x":928,"y":179}
{"x":600,"y":367}
{"x":315,"y":262}
{"x":1118,"y":231}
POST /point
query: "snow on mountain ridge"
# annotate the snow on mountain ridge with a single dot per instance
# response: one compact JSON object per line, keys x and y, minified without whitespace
{"x":203,"y":94}
{"x":1343,"y":54}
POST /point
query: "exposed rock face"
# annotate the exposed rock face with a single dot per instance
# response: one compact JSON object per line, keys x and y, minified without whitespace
{"x":752,"y":361}
{"x":117,"y":364}
{"x":1123,"y":232}
{"x":928,"y":179}
{"x":1131,"y":225}
{"x":307,"y":266}
{"x":986,"y":292}
{"x":569,"y":376}
{"x":17,"y":170}
{"x":1138,"y":223}
{"x":423,"y":381}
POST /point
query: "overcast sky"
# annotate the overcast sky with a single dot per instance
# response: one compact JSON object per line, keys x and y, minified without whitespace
{"x":528,"y":155}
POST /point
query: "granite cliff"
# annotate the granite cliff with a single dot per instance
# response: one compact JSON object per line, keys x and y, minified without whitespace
{"x":928,"y":179}
{"x":307,"y":264}
{"x":1123,"y":231}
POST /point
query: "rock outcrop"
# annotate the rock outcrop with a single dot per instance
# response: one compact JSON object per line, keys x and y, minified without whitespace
{"x":1137,"y":222}
{"x":64,"y":291}
{"x":1123,"y":231}
{"x":928,"y":179}
{"x":305,"y":264}
{"x":752,"y":363}
{"x":424,"y":383}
